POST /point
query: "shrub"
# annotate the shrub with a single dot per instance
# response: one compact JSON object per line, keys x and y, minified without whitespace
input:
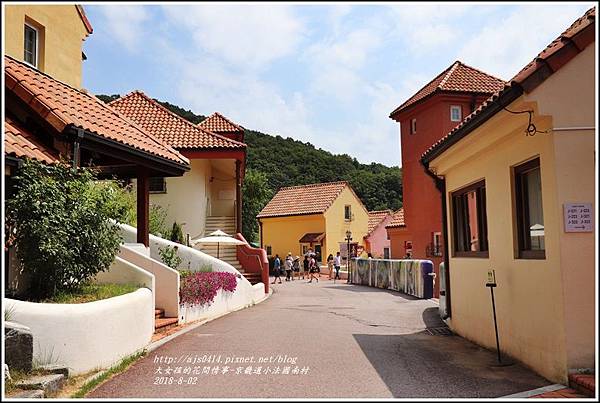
{"x":60,"y":219}
{"x":169,"y":256}
{"x":125,"y":205}
{"x":201,"y":287}
{"x":177,"y":233}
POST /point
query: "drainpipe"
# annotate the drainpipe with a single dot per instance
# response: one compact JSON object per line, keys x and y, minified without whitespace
{"x":440,"y":184}
{"x":261,"y":234}
{"x":77,"y":148}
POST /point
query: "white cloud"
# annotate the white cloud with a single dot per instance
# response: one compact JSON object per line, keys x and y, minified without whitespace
{"x":249,"y":36}
{"x":125,"y":23}
{"x":506,"y":45}
{"x":426,"y":27}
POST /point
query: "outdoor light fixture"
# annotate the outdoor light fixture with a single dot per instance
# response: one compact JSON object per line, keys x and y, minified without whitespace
{"x":348,"y":239}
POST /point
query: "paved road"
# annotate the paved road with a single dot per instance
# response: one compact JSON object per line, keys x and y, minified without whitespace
{"x":354,"y":341}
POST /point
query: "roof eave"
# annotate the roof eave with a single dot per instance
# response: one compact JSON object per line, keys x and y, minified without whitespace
{"x":504,"y":99}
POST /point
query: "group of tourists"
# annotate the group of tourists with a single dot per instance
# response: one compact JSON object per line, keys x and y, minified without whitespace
{"x":310,"y":267}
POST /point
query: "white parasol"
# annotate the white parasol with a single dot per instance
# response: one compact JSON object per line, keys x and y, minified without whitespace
{"x":218,"y":237}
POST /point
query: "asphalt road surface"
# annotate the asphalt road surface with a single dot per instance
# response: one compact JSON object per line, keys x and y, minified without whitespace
{"x":322,"y":340}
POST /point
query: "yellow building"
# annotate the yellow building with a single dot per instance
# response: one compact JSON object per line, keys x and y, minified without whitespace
{"x":520,"y":190}
{"x":48,"y":37}
{"x":316,"y":217}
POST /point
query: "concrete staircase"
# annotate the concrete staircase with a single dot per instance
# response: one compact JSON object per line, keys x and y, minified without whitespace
{"x":161,"y":323}
{"x":227,"y":253}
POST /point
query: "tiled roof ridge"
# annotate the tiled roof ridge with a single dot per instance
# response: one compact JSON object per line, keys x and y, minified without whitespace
{"x":480,"y":71}
{"x":515,"y":82}
{"x":441,"y":79}
{"x":240,"y":128}
{"x":156,"y":103}
{"x":380,"y":211}
{"x":84,"y":18}
{"x":399,"y":215}
{"x":447,"y":75}
{"x":311,"y":185}
{"x":53,"y":109}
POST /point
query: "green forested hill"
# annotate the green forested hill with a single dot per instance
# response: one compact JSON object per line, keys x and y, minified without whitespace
{"x":289,"y":162}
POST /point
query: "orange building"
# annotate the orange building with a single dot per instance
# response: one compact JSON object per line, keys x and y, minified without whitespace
{"x":424,"y":119}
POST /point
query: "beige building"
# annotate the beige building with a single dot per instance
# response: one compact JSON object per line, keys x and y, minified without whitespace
{"x":34,"y":33}
{"x":520,"y":190}
{"x":313,"y":217}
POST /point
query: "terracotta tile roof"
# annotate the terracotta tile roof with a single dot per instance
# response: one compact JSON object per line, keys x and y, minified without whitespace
{"x":376,"y":217}
{"x":20,"y":143}
{"x":572,"y":41}
{"x":218,"y":123}
{"x":168,"y":126}
{"x":62,"y":105}
{"x":457,"y":78}
{"x":84,"y":18}
{"x":397,"y":220}
{"x":305,"y":199}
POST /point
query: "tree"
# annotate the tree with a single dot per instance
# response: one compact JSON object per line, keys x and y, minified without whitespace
{"x":256,"y":195}
{"x":60,"y":221}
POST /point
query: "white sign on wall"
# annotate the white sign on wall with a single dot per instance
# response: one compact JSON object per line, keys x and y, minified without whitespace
{"x":578,"y":217}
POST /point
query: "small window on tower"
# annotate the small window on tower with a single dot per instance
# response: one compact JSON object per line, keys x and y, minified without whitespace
{"x":31,"y":46}
{"x":455,"y":113}
{"x":413,"y":126}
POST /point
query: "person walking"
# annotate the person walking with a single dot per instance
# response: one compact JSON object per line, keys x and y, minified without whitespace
{"x":330,"y":265}
{"x":312,"y":269}
{"x":289,"y":261}
{"x":337,"y":264}
{"x":296,"y":268}
{"x":277,"y":269}
{"x":305,"y":266}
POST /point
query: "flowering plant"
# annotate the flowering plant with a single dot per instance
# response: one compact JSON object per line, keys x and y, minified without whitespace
{"x":200,"y":288}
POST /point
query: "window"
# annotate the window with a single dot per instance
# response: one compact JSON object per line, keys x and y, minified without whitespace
{"x":348,"y":212}
{"x":31,"y":45}
{"x":413,"y":126}
{"x":469,"y":221}
{"x":455,"y":113}
{"x":529,"y":211}
{"x":386,"y":253}
{"x":269,"y":250}
{"x":158,"y":185}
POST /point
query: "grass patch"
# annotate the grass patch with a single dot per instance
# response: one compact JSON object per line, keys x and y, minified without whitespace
{"x":114,"y":370}
{"x":91,"y":292}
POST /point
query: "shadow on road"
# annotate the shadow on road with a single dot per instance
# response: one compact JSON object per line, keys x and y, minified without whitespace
{"x":420,"y":365}
{"x":367,"y":289}
{"x":431,"y":318}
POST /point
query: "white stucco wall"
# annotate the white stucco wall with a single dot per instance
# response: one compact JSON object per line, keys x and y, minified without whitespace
{"x":91,"y":335}
{"x":245,"y":294}
{"x":166,"y":289}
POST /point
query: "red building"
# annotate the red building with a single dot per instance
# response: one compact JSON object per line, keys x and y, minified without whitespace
{"x":424,"y":119}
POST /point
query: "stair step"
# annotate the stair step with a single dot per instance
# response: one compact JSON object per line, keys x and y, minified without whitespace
{"x":47,"y":383}
{"x":583,"y":383}
{"x":30,"y":394}
{"x":159,"y":313}
{"x":164,"y":322}
{"x":55,"y":369}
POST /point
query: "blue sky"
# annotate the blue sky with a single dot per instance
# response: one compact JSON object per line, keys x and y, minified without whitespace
{"x":329,"y":74}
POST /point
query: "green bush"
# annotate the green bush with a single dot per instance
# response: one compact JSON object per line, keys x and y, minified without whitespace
{"x":60,"y":221}
{"x":169,"y":256}
{"x":177,"y":233}
{"x":125,"y":204}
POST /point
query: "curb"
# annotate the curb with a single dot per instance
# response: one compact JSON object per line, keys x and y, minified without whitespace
{"x":534,"y":392}
{"x":153,"y":346}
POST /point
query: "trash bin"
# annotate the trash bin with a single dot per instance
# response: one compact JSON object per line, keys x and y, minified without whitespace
{"x":426,"y":272}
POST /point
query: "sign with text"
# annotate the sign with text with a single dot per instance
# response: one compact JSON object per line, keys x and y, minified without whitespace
{"x":578,"y":217}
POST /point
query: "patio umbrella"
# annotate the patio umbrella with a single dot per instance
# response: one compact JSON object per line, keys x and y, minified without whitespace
{"x":219,"y":237}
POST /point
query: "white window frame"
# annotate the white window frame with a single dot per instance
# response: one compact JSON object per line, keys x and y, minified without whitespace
{"x":37,"y":45}
{"x":348,"y":218}
{"x":413,"y":126}
{"x":437,"y":243}
{"x":454,"y":108}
